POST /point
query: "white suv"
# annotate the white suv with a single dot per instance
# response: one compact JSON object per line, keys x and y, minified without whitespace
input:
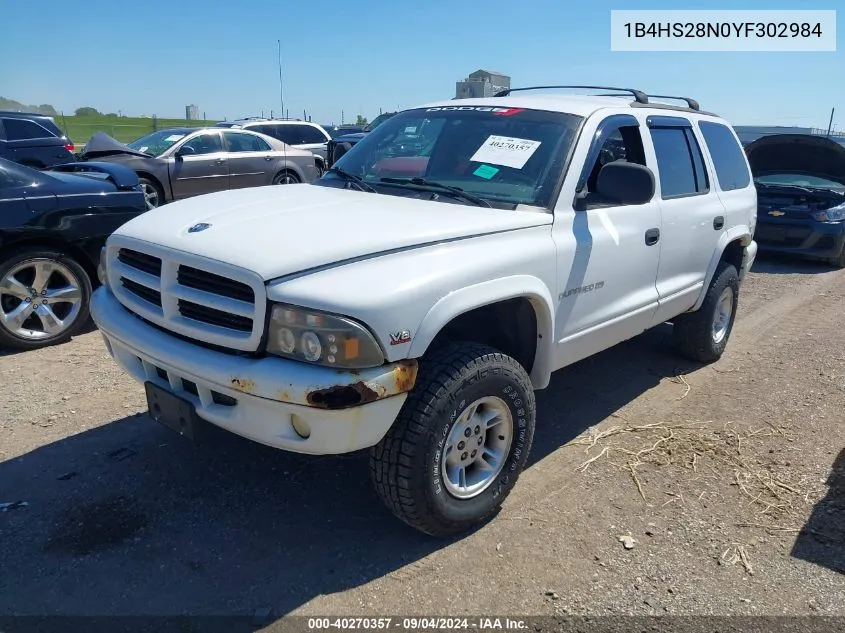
{"x":412,"y":300}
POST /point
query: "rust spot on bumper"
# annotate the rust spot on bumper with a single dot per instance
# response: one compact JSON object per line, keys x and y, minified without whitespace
{"x":405,"y":375}
{"x":343,"y":396}
{"x":243,"y":384}
{"x":399,"y":379}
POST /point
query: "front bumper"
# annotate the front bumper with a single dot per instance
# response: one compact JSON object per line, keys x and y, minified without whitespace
{"x":808,"y":238}
{"x":260,"y":398}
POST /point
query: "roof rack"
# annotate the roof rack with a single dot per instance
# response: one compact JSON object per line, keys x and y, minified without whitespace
{"x":638,"y":95}
{"x":692,"y":103}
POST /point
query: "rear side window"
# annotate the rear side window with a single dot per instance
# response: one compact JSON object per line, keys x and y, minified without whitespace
{"x":679,"y":161}
{"x":21,"y":129}
{"x":284,"y":133}
{"x":310,"y":134}
{"x":241,"y":142}
{"x":728,"y":157}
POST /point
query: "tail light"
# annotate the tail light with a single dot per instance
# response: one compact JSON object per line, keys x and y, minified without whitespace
{"x":70,"y":147}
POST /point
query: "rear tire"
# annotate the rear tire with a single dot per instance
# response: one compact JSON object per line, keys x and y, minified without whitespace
{"x":50,"y":280}
{"x":702,"y":336}
{"x":286,"y":177}
{"x":480,"y":403}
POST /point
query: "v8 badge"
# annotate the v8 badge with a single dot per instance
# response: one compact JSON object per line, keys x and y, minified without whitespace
{"x":398,"y":338}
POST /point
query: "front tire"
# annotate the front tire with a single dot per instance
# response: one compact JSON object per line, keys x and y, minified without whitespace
{"x":460,"y":441}
{"x":702,"y":336}
{"x":153,"y":193}
{"x":44,"y":299}
{"x":839,"y":262}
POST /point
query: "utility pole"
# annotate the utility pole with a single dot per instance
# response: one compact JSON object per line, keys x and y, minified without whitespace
{"x":830,"y":123}
{"x":281,"y":93}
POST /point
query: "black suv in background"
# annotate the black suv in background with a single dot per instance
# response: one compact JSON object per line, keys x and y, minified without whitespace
{"x":34,"y":140}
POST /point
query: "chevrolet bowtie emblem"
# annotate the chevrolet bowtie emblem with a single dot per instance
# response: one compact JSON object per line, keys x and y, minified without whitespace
{"x":777,"y":213}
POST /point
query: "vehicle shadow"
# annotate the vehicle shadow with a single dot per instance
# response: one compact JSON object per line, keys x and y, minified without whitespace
{"x":129,"y":518}
{"x":783,"y":264}
{"x":822,"y":539}
{"x":87,"y":328}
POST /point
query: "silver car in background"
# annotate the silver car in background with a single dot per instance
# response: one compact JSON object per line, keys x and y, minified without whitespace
{"x":179,"y":163}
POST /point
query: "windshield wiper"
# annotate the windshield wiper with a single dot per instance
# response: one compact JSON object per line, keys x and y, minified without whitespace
{"x":363,"y":186}
{"x":457,"y":192}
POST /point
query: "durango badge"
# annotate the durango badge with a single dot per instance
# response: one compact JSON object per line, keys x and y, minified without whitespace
{"x":398,"y":338}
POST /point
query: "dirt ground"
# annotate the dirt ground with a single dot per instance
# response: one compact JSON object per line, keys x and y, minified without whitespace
{"x":728,"y":479}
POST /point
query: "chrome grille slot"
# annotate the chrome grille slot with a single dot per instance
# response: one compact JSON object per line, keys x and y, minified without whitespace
{"x":212,"y":316}
{"x":209,"y":282}
{"x":147,"y":294}
{"x":140,"y":261}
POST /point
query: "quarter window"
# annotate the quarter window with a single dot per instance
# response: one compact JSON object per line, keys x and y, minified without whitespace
{"x":728,"y":157}
{"x":679,"y":161}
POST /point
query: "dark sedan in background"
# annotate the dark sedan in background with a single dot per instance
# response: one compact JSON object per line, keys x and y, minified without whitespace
{"x":342,"y":143}
{"x":182,"y":162}
{"x":800,"y":181}
{"x":53,"y":224}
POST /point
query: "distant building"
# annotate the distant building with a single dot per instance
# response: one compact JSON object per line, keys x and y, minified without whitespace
{"x":192,"y":112}
{"x":481,"y":83}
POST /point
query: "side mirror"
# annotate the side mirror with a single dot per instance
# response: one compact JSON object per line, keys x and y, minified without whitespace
{"x":626,"y":183}
{"x":185,"y":150}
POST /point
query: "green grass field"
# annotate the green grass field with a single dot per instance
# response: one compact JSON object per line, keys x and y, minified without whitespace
{"x":124,"y":129}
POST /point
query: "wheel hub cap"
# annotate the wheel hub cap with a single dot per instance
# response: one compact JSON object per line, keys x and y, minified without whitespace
{"x":722,"y":317}
{"x":477,"y":447}
{"x":39,"y":299}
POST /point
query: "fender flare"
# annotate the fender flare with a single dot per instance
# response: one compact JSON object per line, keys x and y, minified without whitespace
{"x":741,"y":233}
{"x":478,"y":295}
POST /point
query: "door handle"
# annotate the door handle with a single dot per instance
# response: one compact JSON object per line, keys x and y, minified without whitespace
{"x":268,"y":158}
{"x":718,"y":222}
{"x":652,"y":236}
{"x":219,"y":161}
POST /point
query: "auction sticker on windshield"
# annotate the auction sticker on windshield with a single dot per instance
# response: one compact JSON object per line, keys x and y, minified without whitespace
{"x":506,"y":151}
{"x":174,"y":137}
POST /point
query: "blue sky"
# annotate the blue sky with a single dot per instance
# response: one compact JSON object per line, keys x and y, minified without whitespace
{"x":357,"y":57}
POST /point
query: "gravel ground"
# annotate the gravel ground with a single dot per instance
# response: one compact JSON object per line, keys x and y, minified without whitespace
{"x":654,"y":487}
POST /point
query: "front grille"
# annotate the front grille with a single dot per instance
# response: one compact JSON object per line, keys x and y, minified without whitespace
{"x":187,"y":386}
{"x":140,"y":261}
{"x":209,"y":282}
{"x":212,"y":316}
{"x":205,"y":301}
{"x":147,"y":294}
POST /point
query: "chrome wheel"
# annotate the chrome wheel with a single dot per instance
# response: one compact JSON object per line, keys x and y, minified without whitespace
{"x":722,"y":317}
{"x":39,"y":299}
{"x":286,"y":178}
{"x":477,"y":447}
{"x":151,"y":196}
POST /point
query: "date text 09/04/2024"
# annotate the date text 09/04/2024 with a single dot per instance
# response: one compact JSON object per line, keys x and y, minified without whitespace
{"x":723,"y":29}
{"x":417,"y":624}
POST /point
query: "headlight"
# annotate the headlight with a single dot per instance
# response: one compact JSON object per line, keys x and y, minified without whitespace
{"x":102,"y":270}
{"x":320,"y":338}
{"x":834,"y":214}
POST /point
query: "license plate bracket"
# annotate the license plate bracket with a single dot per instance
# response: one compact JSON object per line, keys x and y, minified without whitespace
{"x":174,"y":412}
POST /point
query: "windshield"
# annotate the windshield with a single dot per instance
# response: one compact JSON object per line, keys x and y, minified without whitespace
{"x":507,"y":156}
{"x":800,"y":180}
{"x":157,"y":142}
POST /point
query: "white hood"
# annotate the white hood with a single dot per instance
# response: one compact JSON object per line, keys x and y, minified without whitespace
{"x":280,"y":230}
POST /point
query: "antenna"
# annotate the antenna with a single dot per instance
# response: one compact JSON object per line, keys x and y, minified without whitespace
{"x":281,"y":93}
